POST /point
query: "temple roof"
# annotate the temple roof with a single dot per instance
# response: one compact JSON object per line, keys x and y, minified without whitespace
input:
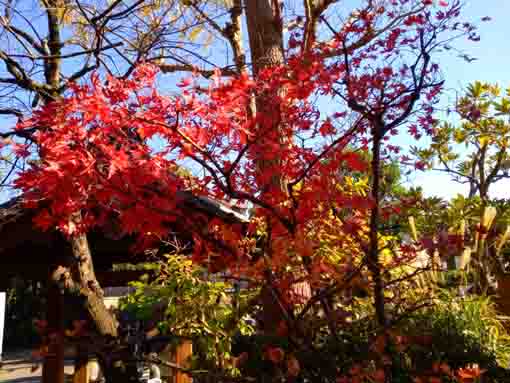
{"x":29,"y":252}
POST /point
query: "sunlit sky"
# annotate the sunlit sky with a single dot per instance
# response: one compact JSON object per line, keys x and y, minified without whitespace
{"x":492,"y":64}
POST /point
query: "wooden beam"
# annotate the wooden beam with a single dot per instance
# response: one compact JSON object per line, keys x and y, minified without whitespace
{"x":53,"y":366}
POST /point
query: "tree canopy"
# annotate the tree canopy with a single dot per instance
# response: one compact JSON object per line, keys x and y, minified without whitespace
{"x":106,"y":141}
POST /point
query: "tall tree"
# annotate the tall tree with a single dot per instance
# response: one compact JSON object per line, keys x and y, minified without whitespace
{"x":258,"y":138}
{"x":43,"y":56}
{"x":221,"y":128}
{"x":48,"y":45}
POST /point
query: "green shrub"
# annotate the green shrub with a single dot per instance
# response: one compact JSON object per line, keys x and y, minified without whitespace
{"x":455,"y":332}
{"x":462,"y":331}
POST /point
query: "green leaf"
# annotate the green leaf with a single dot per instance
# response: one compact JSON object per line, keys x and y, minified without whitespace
{"x":503,"y":107}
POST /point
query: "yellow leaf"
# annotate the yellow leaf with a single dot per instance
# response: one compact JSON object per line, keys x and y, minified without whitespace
{"x":459,"y":136}
{"x":194,"y":33}
{"x":483,"y":140}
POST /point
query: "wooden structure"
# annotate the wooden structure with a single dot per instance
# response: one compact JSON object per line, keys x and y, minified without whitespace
{"x":34,"y":255}
{"x":503,"y":296}
{"x":2,"y":323}
{"x":31,"y":253}
{"x":180,"y":357}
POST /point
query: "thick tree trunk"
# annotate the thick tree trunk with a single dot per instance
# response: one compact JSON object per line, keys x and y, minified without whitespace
{"x":85,"y":279}
{"x":265,"y":33}
{"x":266,"y":46}
{"x":82,"y":275}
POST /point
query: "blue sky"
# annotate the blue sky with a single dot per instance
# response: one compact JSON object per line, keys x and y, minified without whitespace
{"x":492,"y":65}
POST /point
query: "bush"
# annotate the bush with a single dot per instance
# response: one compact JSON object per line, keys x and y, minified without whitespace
{"x":462,"y":332}
{"x":432,"y":342}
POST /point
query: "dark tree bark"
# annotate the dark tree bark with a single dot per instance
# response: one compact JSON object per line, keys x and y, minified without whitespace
{"x":265,"y":33}
{"x":374,"y":264}
{"x":266,"y":46}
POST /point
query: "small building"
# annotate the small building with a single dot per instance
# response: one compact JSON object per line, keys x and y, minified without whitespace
{"x":28,"y":253}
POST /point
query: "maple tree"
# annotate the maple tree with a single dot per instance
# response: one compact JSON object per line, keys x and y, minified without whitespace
{"x":97,"y":136}
{"x":40,"y":57}
{"x":257,"y":139}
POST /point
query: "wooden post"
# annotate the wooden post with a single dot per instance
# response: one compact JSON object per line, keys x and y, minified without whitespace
{"x":182,"y":354}
{"x":81,"y":370}
{"x":53,"y":367}
{"x":503,"y":296}
{"x":178,"y":355}
{"x":3,"y":310}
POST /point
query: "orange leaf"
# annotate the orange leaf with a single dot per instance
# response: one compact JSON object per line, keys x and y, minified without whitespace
{"x":379,"y":376}
{"x":275,"y":354}
{"x":293,"y":367}
{"x":379,"y":344}
{"x":469,"y":373}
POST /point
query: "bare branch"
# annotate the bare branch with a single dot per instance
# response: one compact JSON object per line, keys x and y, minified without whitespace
{"x":14,"y":112}
{"x":170,"y":68}
{"x":20,"y":77}
{"x":370,"y":35}
{"x":21,"y":35}
{"x":313,"y":12}
{"x":497,"y":166}
{"x":71,"y":55}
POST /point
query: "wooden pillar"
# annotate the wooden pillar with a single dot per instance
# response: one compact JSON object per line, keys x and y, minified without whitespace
{"x":53,"y":367}
{"x":3,"y":310}
{"x":182,"y":354}
{"x":179,"y":355}
{"x":81,"y":370}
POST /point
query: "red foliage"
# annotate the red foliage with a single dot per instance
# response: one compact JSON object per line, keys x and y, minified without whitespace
{"x":97,"y":155}
{"x":275,"y":354}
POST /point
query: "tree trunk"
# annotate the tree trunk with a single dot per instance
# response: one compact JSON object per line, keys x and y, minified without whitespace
{"x":484,"y":193}
{"x":85,"y":279}
{"x":266,"y":46}
{"x":265,"y":33}
{"x":374,"y":264}
{"x":472,"y":189}
{"x":82,"y":271}
{"x":82,"y":274}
